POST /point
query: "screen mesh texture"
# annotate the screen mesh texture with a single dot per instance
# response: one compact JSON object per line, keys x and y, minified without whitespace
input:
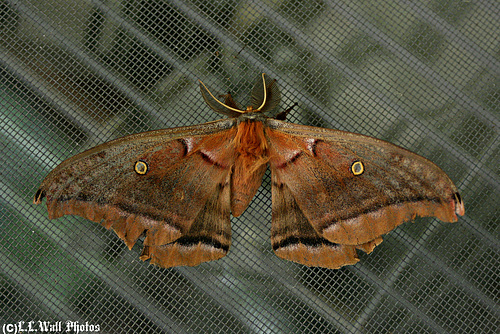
{"x":420,"y":74}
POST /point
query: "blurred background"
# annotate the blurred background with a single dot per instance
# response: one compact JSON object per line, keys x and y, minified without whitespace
{"x":421,"y":74}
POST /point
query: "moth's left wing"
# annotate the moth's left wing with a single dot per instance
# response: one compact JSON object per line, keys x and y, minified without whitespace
{"x":349,"y":188}
{"x":172,"y":185}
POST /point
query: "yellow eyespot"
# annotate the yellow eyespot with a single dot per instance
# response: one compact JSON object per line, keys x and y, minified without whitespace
{"x":141,"y":167}
{"x":357,"y":168}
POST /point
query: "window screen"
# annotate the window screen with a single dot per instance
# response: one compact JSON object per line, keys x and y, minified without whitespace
{"x":420,"y":74}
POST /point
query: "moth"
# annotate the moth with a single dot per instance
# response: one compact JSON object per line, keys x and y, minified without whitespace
{"x":333,"y":192}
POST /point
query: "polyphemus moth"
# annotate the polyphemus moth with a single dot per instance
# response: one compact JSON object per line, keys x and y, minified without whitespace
{"x":333,"y":192}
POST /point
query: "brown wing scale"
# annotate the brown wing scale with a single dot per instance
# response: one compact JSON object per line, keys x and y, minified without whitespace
{"x":185,"y":167}
{"x":294,"y":238}
{"x":351,"y":204}
{"x":208,"y":238}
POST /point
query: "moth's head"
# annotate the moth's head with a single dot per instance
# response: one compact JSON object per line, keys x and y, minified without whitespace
{"x":265,"y":98}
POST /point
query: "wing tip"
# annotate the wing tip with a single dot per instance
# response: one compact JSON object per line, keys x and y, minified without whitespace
{"x":39,"y":196}
{"x":459,"y":204}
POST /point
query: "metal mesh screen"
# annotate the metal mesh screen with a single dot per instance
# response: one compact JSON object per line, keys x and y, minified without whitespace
{"x":421,"y":74}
